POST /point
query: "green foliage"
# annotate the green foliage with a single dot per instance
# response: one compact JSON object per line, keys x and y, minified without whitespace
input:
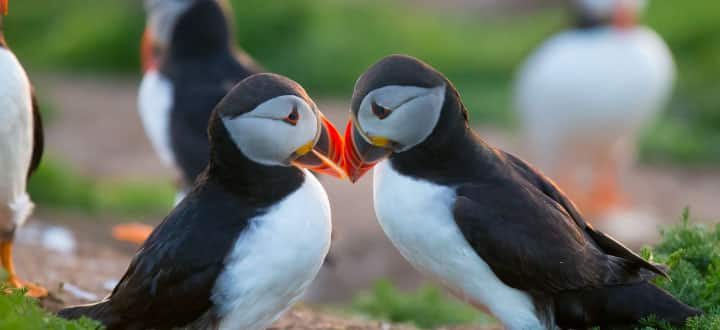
{"x":19,"y":312}
{"x":326,"y":44}
{"x":692,"y":251}
{"x":428,"y":307}
{"x":57,"y":186}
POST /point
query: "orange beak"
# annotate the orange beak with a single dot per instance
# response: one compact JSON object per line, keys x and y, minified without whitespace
{"x":147,"y":52}
{"x":4,"y":7}
{"x":325,"y":156}
{"x":624,"y":17}
{"x":359,"y":156}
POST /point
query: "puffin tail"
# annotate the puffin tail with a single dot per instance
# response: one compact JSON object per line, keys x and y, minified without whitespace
{"x":99,"y":311}
{"x":619,"y":305}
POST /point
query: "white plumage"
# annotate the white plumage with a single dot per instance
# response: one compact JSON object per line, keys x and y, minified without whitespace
{"x":16,"y":142}
{"x":599,"y":84}
{"x":154,"y":104}
{"x":275,"y":259}
{"x":417,"y":217}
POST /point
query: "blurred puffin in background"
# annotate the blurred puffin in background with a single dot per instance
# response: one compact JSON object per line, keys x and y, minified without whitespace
{"x":21,"y":147}
{"x":190,"y":62}
{"x":248,"y":240}
{"x":585,"y":94}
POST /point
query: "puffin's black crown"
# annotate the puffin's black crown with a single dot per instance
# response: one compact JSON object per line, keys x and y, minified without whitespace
{"x":256,"y":89}
{"x":399,"y":70}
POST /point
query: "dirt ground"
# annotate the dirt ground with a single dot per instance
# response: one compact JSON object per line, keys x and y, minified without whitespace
{"x":95,"y":128}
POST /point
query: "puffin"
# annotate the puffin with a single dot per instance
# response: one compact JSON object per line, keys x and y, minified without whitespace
{"x":21,"y":148}
{"x":249,"y":238}
{"x":485,"y":223}
{"x":190,"y":62}
{"x":586,"y":93}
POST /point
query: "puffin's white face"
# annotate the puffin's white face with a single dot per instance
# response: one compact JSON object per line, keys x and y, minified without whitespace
{"x":605,"y":9}
{"x":277,"y":131}
{"x":400,"y":117}
{"x":162,"y":16}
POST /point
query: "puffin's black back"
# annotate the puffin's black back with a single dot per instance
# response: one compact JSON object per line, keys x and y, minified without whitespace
{"x":202,"y":65}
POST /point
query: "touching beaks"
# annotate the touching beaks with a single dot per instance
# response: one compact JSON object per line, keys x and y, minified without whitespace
{"x":359,"y":156}
{"x":624,"y":16}
{"x":147,"y":51}
{"x":4,"y":7}
{"x":324,"y":156}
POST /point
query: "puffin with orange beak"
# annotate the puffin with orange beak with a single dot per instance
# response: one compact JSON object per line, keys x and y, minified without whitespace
{"x":485,"y":223}
{"x":190,"y":62}
{"x":251,"y":235}
{"x":584,"y":96}
{"x":21,"y":148}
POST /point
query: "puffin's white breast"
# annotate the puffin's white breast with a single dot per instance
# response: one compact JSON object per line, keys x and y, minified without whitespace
{"x":16,"y":141}
{"x":155,"y":101}
{"x":600,"y":81}
{"x":275,"y":259}
{"x":417,"y":217}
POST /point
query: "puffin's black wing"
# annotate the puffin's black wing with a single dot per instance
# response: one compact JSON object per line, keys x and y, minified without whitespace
{"x":38,"y":137}
{"x":529,"y":241}
{"x":606,"y":243}
{"x":170,"y":280}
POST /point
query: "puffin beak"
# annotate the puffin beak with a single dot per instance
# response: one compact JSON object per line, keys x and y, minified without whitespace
{"x":4,"y":7}
{"x":325,"y":155}
{"x":359,"y":156}
{"x":625,"y":16}
{"x":147,"y":54}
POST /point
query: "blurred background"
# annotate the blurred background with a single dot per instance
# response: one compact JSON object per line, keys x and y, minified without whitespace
{"x":100,"y":170}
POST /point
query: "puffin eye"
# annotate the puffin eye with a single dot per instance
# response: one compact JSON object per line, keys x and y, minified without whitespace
{"x":380,"y":111}
{"x":293,"y":117}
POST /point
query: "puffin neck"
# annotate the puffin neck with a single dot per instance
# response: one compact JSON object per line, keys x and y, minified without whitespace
{"x":450,"y":153}
{"x":201,"y":31}
{"x":256,"y":183}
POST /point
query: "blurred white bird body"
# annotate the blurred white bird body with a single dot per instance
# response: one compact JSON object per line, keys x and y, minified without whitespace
{"x":16,"y":142}
{"x":599,"y":85}
{"x":584,"y":96}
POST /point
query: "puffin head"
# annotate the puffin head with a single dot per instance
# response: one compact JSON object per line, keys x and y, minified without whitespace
{"x":398,"y":105}
{"x":172,"y":20}
{"x":270,"y":120}
{"x":621,"y":14}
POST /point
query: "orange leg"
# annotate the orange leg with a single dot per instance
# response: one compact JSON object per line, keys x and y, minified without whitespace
{"x":605,"y":192}
{"x":7,"y":263}
{"x":132,"y":232}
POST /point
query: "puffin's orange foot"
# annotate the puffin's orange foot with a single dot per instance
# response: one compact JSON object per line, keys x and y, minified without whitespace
{"x":132,"y":232}
{"x":605,"y":197}
{"x":33,"y":290}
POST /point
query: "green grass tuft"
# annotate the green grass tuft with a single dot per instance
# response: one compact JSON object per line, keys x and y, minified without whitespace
{"x":57,"y":186}
{"x":693,"y":253}
{"x":19,"y":312}
{"x":428,"y":307}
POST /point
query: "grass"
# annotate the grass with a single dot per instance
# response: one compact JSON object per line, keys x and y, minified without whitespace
{"x":428,"y":307}
{"x":692,"y":251}
{"x":19,"y":312}
{"x":57,"y":186}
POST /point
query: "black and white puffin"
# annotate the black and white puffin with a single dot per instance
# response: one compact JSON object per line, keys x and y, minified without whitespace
{"x":251,"y":235}
{"x":190,"y":62}
{"x":586,"y":93}
{"x":21,"y":147}
{"x":485,"y":223}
